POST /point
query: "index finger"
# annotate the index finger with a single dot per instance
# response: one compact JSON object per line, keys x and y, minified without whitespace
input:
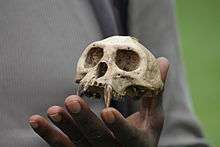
{"x":89,"y":124}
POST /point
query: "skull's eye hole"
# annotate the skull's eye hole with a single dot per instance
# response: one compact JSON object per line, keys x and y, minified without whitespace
{"x":127,"y":60}
{"x":93,"y":57}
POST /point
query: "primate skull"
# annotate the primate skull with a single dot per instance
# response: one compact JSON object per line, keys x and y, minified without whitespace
{"x":118,"y":66}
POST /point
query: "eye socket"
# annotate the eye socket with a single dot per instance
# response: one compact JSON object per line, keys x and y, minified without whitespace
{"x":127,"y":60}
{"x":93,"y":57}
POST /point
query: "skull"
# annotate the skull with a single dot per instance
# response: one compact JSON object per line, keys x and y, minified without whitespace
{"x":118,"y":66}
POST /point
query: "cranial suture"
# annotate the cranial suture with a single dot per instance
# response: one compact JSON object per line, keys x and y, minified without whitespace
{"x":118,"y":66}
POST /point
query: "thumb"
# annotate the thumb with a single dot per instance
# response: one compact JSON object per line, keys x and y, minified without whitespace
{"x":154,"y":102}
{"x":164,"y":66}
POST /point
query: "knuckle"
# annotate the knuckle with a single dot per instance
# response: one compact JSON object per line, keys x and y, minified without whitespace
{"x":96,"y":135}
{"x":56,"y":141}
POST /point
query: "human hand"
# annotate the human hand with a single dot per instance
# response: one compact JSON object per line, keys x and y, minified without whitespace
{"x":80,"y":127}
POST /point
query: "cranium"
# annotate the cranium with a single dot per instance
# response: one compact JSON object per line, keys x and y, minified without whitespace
{"x":118,"y":66}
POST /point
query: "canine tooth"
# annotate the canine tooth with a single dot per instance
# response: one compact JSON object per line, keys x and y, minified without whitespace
{"x":107,"y":95}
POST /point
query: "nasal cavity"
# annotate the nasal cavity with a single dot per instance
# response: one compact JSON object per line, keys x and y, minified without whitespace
{"x":102,"y":69}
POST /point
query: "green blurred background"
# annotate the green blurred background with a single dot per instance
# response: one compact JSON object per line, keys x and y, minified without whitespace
{"x":199,"y":27}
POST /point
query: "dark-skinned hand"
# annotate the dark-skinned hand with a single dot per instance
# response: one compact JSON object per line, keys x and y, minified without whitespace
{"x":80,"y":127}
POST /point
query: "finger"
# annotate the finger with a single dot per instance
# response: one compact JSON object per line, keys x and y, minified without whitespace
{"x":65,"y":122}
{"x":154,"y":105}
{"x":127,"y":134}
{"x":151,"y":109}
{"x":150,"y":104}
{"x":153,"y":116}
{"x":50,"y":134}
{"x":90,"y":125}
{"x":164,"y":66}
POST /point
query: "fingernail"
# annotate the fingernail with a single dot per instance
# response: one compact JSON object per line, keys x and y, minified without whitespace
{"x":56,"y":117}
{"x":108,"y":116}
{"x":33,"y":124}
{"x":74,"y":106}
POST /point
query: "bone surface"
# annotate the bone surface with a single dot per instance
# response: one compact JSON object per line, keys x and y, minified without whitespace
{"x":118,"y":66}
